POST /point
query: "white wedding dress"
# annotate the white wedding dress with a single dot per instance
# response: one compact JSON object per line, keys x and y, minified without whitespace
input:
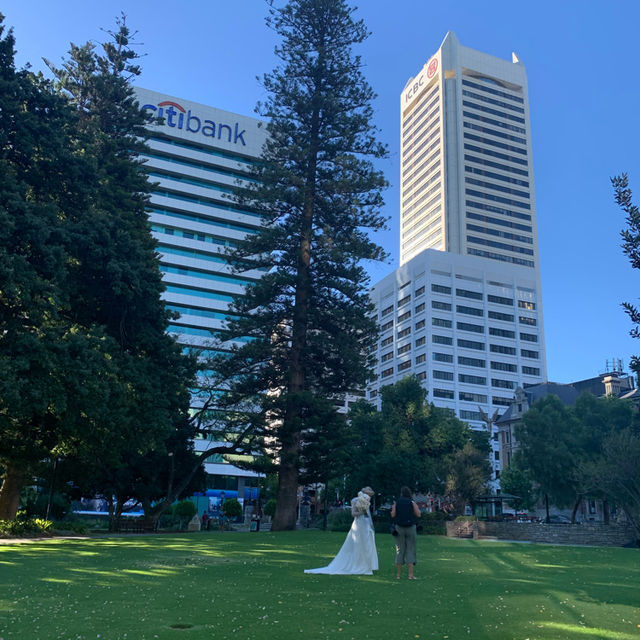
{"x":358,"y":555}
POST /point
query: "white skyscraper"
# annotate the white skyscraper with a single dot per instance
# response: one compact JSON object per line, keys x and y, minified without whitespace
{"x":196,"y":157}
{"x":463,"y":312}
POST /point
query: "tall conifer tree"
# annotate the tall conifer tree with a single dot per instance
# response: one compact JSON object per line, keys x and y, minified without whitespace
{"x":320,"y":197}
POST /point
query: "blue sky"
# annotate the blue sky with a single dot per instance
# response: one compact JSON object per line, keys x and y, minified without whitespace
{"x":582,"y":64}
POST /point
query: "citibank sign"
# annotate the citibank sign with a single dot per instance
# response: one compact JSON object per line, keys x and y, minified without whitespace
{"x":176,"y":116}
{"x":428,"y":71}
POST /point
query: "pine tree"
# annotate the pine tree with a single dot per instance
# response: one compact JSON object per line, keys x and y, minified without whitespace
{"x":320,"y":197}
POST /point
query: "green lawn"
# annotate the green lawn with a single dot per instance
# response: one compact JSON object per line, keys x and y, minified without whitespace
{"x":252,"y":585}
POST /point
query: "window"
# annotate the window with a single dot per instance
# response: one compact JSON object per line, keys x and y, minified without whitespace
{"x":465,"y":326}
{"x":386,"y":325}
{"x":404,"y":301}
{"x":421,"y":358}
{"x":386,"y":357}
{"x":532,"y":322}
{"x":403,"y":366}
{"x":442,"y":306}
{"x":463,"y":377}
{"x":474,"y":295}
{"x":439,"y":288}
{"x":441,"y":339}
{"x":420,"y":341}
{"x":443,"y":393}
{"x":404,"y":348}
{"x":531,"y":371}
{"x":387,"y":311}
{"x":386,"y":341}
{"x":471,"y":344}
{"x":504,"y":366}
{"x":505,"y":317}
{"x":470,"y":415}
{"x":471,"y":362}
{"x":496,"y":455}
{"x":499,"y":348}
{"x":503,"y":384}
{"x":373,"y":393}
{"x":442,"y":357}
{"x":503,"y":333}
{"x":419,"y":292}
{"x":441,"y":322}
{"x":471,"y":397}
{"x":529,"y":306}
{"x":420,"y":308}
{"x":422,"y":375}
{"x":470,"y":311}
{"x":500,"y":300}
{"x":404,"y":316}
{"x":404,"y":332}
{"x":420,"y":324}
{"x":525,"y":353}
{"x":387,"y":372}
{"x":443,"y":375}
{"x":499,"y":400}
{"x":529,"y":337}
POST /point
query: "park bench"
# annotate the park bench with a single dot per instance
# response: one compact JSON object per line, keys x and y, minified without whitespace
{"x":137,"y":525}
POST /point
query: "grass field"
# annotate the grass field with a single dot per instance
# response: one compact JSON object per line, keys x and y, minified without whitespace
{"x":252,"y":585}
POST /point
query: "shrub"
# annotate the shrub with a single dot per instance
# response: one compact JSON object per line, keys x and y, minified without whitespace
{"x":434,"y":523}
{"x":23,"y":526}
{"x":270,"y":508}
{"x":185,"y":509}
{"x":232,"y":508}
{"x":339,"y":520}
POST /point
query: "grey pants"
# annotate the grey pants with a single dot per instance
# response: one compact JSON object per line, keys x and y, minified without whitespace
{"x":406,"y":544}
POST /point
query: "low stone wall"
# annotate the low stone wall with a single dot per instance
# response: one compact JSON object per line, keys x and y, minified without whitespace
{"x":600,"y":535}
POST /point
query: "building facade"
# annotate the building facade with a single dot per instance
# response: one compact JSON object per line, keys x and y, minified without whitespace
{"x":463,"y":312}
{"x":196,"y":156}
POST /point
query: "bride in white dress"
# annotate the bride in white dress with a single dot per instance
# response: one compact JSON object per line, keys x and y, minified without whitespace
{"x":358,"y":555}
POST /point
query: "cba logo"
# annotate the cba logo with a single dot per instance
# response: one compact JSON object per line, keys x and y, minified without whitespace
{"x":178,"y":117}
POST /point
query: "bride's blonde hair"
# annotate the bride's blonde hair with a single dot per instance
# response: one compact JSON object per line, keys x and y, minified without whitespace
{"x":369,"y":491}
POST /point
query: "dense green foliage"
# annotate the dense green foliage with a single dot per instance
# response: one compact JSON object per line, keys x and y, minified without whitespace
{"x":566,"y":450}
{"x":232,"y":508}
{"x":319,"y":196}
{"x":179,"y":585}
{"x":87,"y":372}
{"x":414,"y":443}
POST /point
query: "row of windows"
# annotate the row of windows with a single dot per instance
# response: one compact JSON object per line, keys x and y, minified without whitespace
{"x":200,"y":166}
{"x":431,"y":220}
{"x":497,"y":187}
{"x":493,"y":132}
{"x":423,"y":186}
{"x":494,"y":112}
{"x":494,"y":143}
{"x":206,"y":275}
{"x":499,"y":245}
{"x":426,"y":196}
{"x":411,"y":164}
{"x":496,"y":165}
{"x":495,"y":92}
{"x":476,"y":295}
{"x":491,"y":208}
{"x":497,"y":221}
{"x":494,"y":198}
{"x":425,"y":147}
{"x":193,"y":235}
{"x":414,"y":146}
{"x":447,"y":357}
{"x":486,"y":99}
{"x":500,"y":256}
{"x":494,"y":154}
{"x":204,"y":201}
{"x":416,"y":113}
{"x":500,"y":234}
{"x":494,"y":123}
{"x":426,"y":241}
{"x":496,"y":176}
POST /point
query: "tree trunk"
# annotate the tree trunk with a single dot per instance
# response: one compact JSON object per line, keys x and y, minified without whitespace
{"x":287,"y":499}
{"x":575,"y":509}
{"x":606,"y":515}
{"x":546,"y":506}
{"x":12,"y":483}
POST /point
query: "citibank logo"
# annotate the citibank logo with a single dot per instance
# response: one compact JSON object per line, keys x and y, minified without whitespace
{"x":176,"y":116}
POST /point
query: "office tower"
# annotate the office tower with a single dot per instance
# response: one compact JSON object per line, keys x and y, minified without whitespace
{"x":463,"y":311}
{"x":197,"y":155}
